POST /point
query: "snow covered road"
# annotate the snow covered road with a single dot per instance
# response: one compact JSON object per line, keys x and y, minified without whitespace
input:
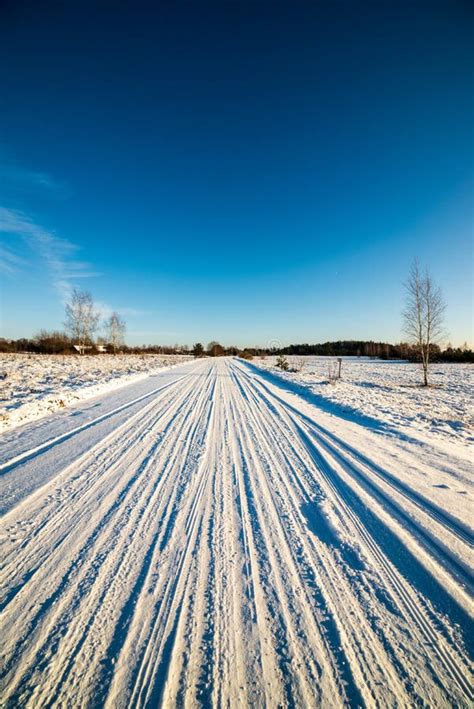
{"x":208,"y":540}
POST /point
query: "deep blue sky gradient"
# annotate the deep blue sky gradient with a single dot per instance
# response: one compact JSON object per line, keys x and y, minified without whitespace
{"x":242,"y":171}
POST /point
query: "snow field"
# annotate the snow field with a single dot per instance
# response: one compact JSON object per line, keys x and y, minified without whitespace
{"x":33,"y":386}
{"x":389,"y":393}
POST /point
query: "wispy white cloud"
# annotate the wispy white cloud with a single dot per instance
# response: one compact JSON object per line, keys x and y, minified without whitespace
{"x":17,"y":177}
{"x":58,"y":254}
{"x":10,"y":262}
{"x":106,"y":310}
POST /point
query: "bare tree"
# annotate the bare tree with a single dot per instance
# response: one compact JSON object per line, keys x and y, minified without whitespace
{"x":115,"y":328}
{"x":214,"y":349}
{"x":81,"y":319}
{"x":423,"y":316}
{"x":300,"y":364}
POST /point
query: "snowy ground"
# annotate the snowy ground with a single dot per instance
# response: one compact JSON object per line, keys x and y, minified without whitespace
{"x":216,"y":536}
{"x":389,"y":393}
{"x":32,"y":386}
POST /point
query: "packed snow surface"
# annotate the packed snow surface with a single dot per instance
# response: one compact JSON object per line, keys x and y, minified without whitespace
{"x":34,"y":385}
{"x":215,"y":535}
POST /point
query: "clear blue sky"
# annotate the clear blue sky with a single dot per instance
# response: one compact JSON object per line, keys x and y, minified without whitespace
{"x":241,"y":171}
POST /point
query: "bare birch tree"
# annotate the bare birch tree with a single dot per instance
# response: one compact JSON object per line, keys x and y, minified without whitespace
{"x":82,"y":318}
{"x":423,"y":315}
{"x":115,"y":328}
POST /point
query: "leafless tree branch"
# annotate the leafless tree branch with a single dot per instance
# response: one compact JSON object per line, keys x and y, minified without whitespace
{"x":423,"y":315}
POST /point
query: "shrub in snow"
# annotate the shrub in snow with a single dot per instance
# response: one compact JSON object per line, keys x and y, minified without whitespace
{"x":282,"y":363}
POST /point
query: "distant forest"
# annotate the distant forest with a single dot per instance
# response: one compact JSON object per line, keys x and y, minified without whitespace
{"x":381,"y":350}
{"x":59,"y":343}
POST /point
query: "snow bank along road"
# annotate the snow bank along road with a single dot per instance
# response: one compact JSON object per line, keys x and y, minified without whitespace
{"x":209,"y":541}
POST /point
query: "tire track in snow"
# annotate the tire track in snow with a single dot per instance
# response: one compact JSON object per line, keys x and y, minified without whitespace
{"x":118,"y":510}
{"x":456,"y":666}
{"x":187,"y":560}
{"x":361,"y":472}
{"x":147,"y":691}
{"x":77,"y":480}
{"x":453,"y":525}
{"x":159,"y":507}
{"x":314,"y":567}
{"x":12,"y":463}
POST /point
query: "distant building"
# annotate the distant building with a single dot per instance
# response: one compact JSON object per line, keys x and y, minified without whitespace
{"x":82,"y":348}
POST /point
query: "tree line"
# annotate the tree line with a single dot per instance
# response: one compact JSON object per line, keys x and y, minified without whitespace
{"x":423,"y":317}
{"x":46,"y":342}
{"x":379,"y":350}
